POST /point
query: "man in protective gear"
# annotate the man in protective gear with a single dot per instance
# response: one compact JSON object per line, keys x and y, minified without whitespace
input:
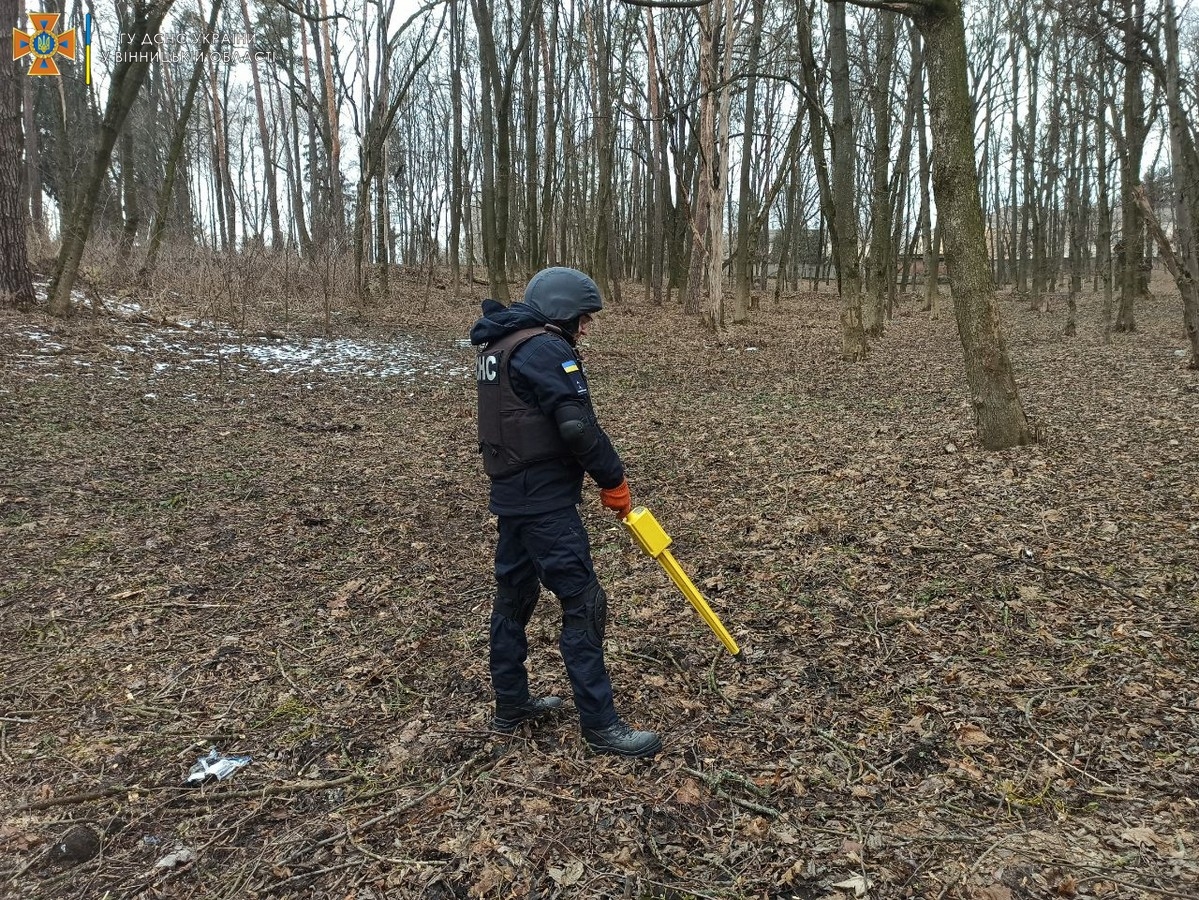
{"x":538,"y":435}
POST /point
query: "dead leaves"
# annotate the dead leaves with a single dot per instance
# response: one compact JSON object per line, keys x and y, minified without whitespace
{"x":689,"y":792}
{"x":567,"y":876}
{"x":365,"y":589}
{"x":1145,"y":838}
{"x":970,"y":735}
{"x":878,"y":585}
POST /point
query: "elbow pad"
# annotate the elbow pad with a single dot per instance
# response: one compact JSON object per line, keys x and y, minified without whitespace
{"x":578,"y":431}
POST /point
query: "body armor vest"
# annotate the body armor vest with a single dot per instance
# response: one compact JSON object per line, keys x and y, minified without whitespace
{"x":512,"y":433}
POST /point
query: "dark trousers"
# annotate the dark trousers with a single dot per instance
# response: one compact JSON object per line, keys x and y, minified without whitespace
{"x":550,"y":549}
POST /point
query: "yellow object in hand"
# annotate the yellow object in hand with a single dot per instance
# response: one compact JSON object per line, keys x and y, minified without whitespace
{"x":651,"y":538}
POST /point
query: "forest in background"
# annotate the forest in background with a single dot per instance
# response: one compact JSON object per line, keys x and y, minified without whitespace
{"x":639,"y":141}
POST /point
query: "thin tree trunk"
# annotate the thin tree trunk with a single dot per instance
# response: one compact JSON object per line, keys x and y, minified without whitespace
{"x":264,"y":137}
{"x":1183,"y":265}
{"x":1132,"y":238}
{"x":599,"y":61}
{"x":131,"y":208}
{"x":220,"y":138}
{"x":742,"y":262}
{"x":336,"y":195}
{"x":457,"y":153}
{"x":33,"y":168}
{"x":658,"y":171}
{"x":849,"y":278}
{"x":816,"y":123}
{"x":178,"y":135}
{"x":496,"y":133}
{"x":549,"y":136}
{"x":880,"y":272}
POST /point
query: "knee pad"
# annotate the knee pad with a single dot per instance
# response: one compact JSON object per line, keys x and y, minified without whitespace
{"x":587,"y":612}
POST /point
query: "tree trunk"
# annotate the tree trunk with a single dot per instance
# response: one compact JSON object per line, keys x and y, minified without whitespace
{"x":880,"y":272}
{"x":15,"y":286}
{"x":996,"y":402}
{"x":701,"y":214}
{"x":1077,"y":149}
{"x":599,"y":61}
{"x":742,"y":261}
{"x":264,"y":137}
{"x":336,"y":194}
{"x":33,"y":167}
{"x":1103,"y":240}
{"x":658,"y":169}
{"x":816,"y":122}
{"x":1019,"y":268}
{"x":178,"y":135}
{"x":713,"y":317}
{"x":294,"y":158}
{"x":457,"y":151}
{"x":496,"y":134}
{"x":849,"y":277}
{"x":129,"y":201}
{"x":1183,"y":265}
{"x":127,"y":80}
{"x":226,"y":207}
{"x":1132,"y":238}
{"x":532,"y":109}
{"x":549,"y":136}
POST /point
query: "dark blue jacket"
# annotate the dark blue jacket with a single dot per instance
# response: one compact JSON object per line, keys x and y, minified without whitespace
{"x":546,"y":373}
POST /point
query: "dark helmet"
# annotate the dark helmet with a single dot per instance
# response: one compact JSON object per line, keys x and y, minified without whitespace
{"x":563,"y":295}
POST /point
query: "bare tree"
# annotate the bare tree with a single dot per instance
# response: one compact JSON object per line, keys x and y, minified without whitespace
{"x":497,"y":125}
{"x":845,"y":155}
{"x":1000,"y":417}
{"x":880,"y":272}
{"x":175,"y":151}
{"x":265,"y":139}
{"x":1182,"y":258}
{"x":15,"y":286}
{"x":742,"y":273}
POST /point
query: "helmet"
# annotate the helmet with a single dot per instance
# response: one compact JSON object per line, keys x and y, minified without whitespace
{"x":563,"y":295}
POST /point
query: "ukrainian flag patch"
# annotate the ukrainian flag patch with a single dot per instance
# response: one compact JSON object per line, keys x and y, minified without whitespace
{"x":570,"y":366}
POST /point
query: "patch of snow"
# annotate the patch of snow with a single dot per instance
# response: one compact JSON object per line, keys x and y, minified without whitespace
{"x":175,"y":351}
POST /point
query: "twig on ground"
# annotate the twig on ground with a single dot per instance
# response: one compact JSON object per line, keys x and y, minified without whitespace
{"x":270,"y":790}
{"x":300,"y":876}
{"x":390,"y":814}
{"x":845,"y":749}
{"x":973,"y":869}
{"x":71,"y":799}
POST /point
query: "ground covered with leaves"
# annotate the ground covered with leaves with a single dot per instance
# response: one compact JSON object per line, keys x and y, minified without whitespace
{"x":968,"y":674}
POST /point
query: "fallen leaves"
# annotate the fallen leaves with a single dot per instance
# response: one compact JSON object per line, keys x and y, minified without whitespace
{"x":971,"y":628}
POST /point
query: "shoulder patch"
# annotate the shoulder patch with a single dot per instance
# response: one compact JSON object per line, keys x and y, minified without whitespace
{"x":570,"y":366}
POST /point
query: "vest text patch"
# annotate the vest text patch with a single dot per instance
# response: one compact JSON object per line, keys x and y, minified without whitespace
{"x":487,"y":367}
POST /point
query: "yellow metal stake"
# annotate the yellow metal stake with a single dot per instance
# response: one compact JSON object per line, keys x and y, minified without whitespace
{"x":654,"y":541}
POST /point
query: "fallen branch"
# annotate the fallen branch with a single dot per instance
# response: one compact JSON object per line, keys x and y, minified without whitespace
{"x":186,"y":795}
{"x":270,"y":790}
{"x":70,"y":799}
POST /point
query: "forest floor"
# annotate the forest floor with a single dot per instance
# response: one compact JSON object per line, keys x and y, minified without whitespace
{"x":968,"y":674}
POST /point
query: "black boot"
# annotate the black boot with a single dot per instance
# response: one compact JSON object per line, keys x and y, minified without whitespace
{"x":508,"y":716}
{"x":621,"y":739}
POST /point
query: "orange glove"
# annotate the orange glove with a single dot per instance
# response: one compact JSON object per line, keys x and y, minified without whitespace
{"x":618,"y":498}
